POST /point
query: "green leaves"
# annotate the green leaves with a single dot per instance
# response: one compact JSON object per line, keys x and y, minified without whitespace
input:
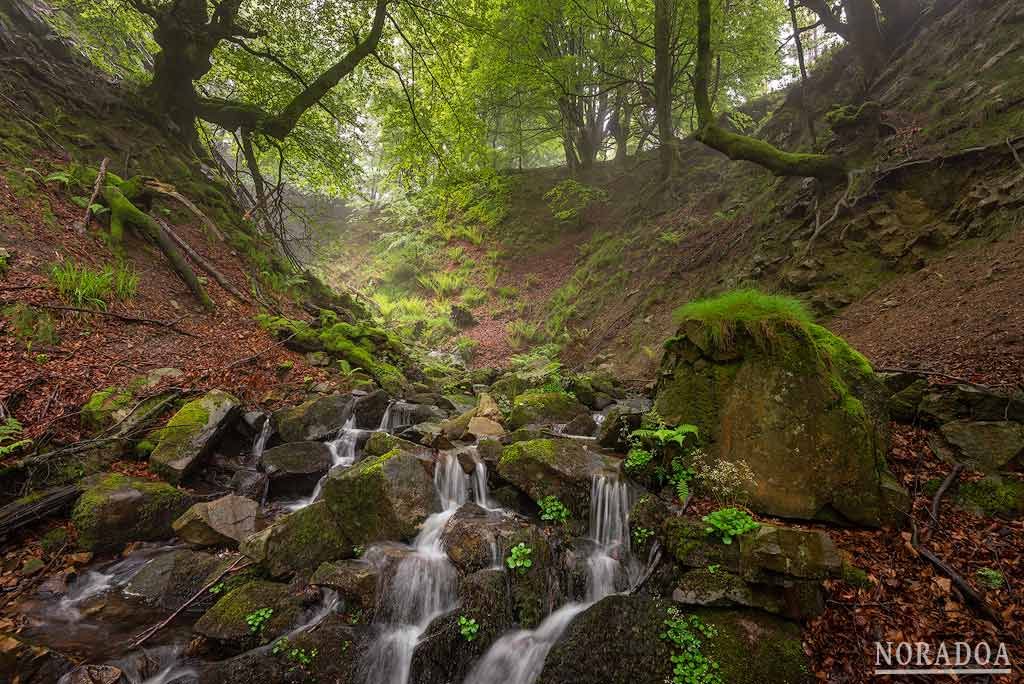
{"x":689,"y":664}
{"x":258,"y":619}
{"x":729,"y":523}
{"x":519,"y":558}
{"x":553,"y":510}
{"x":468,"y":628}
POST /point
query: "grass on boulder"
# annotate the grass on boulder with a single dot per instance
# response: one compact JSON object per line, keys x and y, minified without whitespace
{"x":755,"y":311}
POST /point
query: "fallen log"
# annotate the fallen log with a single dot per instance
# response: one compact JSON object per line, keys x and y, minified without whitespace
{"x":32,"y":509}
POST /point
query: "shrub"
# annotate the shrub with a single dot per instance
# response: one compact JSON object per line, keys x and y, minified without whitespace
{"x":443,"y":283}
{"x":729,"y":523}
{"x":519,"y":558}
{"x":553,"y":510}
{"x":569,"y":198}
{"x":468,"y":628}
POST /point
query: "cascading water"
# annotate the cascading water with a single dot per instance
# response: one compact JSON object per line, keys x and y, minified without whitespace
{"x":343,"y":455}
{"x":397,"y":414}
{"x":518,"y":657}
{"x":260,"y":444}
{"x":422,"y":588}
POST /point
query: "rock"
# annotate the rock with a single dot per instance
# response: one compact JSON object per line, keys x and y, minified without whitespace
{"x":432,"y":399}
{"x":903,"y":405}
{"x":984,"y":446}
{"x":489,"y":451}
{"x":582,"y":426}
{"x":95,"y":674}
{"x":476,"y":539}
{"x":749,"y":647}
{"x":172,"y":578}
{"x":537,"y":407}
{"x":114,"y":405}
{"x":488,"y":408}
{"x":369,"y":409}
{"x":116,"y":509}
{"x":617,"y":424}
{"x":315,"y":419}
{"x":484,"y":427}
{"x":385,"y":497}
{"x":805,"y":413}
{"x":993,"y":496}
{"x":462,"y":317}
{"x":455,"y":429}
{"x":299,"y":541}
{"x":563,"y":468}
{"x":948,"y":403}
{"x":227,"y":520}
{"x":296,"y":467}
{"x":26,"y":663}
{"x":191,"y":434}
{"x":251,"y":484}
{"x":354,"y":580}
{"x":226,"y":620}
{"x":381,"y":443}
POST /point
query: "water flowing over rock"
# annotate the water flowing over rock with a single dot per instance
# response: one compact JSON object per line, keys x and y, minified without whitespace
{"x":171,"y":579}
{"x":315,"y":419}
{"x":191,"y":434}
{"x":296,"y":467}
{"x":227,"y":520}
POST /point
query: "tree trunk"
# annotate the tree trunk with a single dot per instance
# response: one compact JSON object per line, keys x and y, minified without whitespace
{"x":663,"y":86}
{"x":865,"y":35}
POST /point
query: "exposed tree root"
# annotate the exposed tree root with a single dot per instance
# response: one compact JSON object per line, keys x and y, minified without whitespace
{"x":170,"y":325}
{"x":159,"y":188}
{"x":202,"y":263}
{"x":101,"y":177}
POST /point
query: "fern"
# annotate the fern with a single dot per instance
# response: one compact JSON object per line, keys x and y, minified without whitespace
{"x":10,"y":432}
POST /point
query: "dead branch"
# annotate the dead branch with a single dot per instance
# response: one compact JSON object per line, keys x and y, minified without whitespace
{"x":101,"y":176}
{"x":202,"y":263}
{"x":50,"y":502}
{"x":946,"y":484}
{"x":170,"y":191}
{"x":1016,"y":155}
{"x":170,"y":325}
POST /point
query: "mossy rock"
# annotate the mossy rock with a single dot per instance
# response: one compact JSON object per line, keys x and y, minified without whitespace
{"x":537,"y":407}
{"x":191,"y":434}
{"x":315,"y":419}
{"x":172,"y":578}
{"x":299,"y":541}
{"x":994,"y":495}
{"x":988,"y":446}
{"x":796,"y":403}
{"x":226,"y":620}
{"x":355,"y":581}
{"x":116,"y":509}
{"x":113,"y":404}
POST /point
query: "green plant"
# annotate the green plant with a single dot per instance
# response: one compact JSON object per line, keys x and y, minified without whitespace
{"x":729,"y":523}
{"x":466,"y":347}
{"x":443,"y":283}
{"x":569,"y":198}
{"x":641,"y":535}
{"x":30,"y":325}
{"x":553,"y":510}
{"x":519,"y":558}
{"x":11,"y":440}
{"x":750,"y":309}
{"x":637,"y":459}
{"x":727,"y":482}
{"x":689,"y":665}
{"x":358,"y":551}
{"x":473,"y":297}
{"x":989,"y":578}
{"x":217,"y":588}
{"x":713,"y":568}
{"x":521,"y":333}
{"x":90,"y":288}
{"x":468,"y":628}
{"x":258,"y":619}
{"x":670,"y":237}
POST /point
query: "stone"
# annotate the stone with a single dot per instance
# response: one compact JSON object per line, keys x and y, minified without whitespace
{"x":484,"y":427}
{"x":116,"y":509}
{"x":95,"y":674}
{"x":455,"y":429}
{"x":316,"y":419}
{"x":369,"y":409}
{"x":948,"y":403}
{"x":617,"y":424}
{"x":488,"y":408}
{"x":299,"y":541}
{"x":538,"y":407}
{"x":251,"y":484}
{"x":295,"y":468}
{"x":224,"y":521}
{"x":903,"y":405}
{"x":489,"y":451}
{"x":798,"y":405}
{"x":27,"y":663}
{"x":226,"y":620}
{"x":563,"y":468}
{"x":191,"y":435}
{"x":985,"y":446}
{"x":170,"y":579}
{"x":355,"y":581}
{"x":581,"y":426}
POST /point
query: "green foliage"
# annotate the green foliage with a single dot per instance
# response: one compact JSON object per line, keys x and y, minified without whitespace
{"x":553,"y":510}
{"x":473,"y":297}
{"x":657,"y":452}
{"x":748,"y":308}
{"x":258,"y":619}
{"x":522,"y":333}
{"x":30,"y":325}
{"x":11,"y":440}
{"x":468,"y":628}
{"x":89,"y":288}
{"x":641,"y":535}
{"x":685,"y":633}
{"x":637,"y":459}
{"x":569,"y":198}
{"x":663,"y":436}
{"x":519,"y":558}
{"x":989,"y":578}
{"x":443,"y":283}
{"x":301,"y":657}
{"x":466,"y":347}
{"x":217,"y":588}
{"x":729,"y":523}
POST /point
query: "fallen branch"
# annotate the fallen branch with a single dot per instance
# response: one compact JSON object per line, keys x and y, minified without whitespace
{"x":144,"y":636}
{"x":18,"y":514}
{"x":202,"y":263}
{"x":170,"y":191}
{"x":97,"y":187}
{"x":170,"y":325}
{"x":946,"y":484}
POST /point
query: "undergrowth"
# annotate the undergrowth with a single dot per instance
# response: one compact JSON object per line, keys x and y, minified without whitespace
{"x":90,"y":288}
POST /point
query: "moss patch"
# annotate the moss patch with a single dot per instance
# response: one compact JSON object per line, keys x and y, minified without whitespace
{"x":117,"y":509}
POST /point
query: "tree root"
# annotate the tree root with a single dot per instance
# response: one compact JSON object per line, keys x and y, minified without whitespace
{"x":946,"y":484}
{"x":203,"y":264}
{"x":153,"y":185}
{"x":101,"y":176}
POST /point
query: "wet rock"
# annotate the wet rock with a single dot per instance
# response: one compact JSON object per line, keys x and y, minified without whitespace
{"x":489,"y":451}
{"x":27,"y":663}
{"x":224,"y":521}
{"x":299,"y":541}
{"x":488,"y":408}
{"x":370,"y":408}
{"x":226,"y":621}
{"x":191,"y":435}
{"x":476,"y":539}
{"x":354,"y":580}
{"x":949,"y":403}
{"x":431,"y":399}
{"x":805,"y":413}
{"x":985,"y":446}
{"x":749,"y":647}
{"x":251,"y":484}
{"x":315,"y":419}
{"x":296,"y":467}
{"x":484,"y":427}
{"x":618,"y":423}
{"x":95,"y":674}
{"x":563,"y":468}
{"x":455,"y":429}
{"x":115,"y":509}
{"x":172,"y":578}
{"x":903,"y":404}
{"x":544,"y":408}
{"x":582,"y":426}
{"x":380,"y":443}
{"x":427,"y":434}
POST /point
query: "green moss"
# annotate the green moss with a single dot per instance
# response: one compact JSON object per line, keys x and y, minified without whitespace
{"x":994,"y":496}
{"x":742,"y":636}
{"x":856,"y":577}
{"x":159,"y":504}
{"x":542,"y":450}
{"x":852,"y":115}
{"x":96,"y":413}
{"x":755,"y":311}
{"x":54,"y":540}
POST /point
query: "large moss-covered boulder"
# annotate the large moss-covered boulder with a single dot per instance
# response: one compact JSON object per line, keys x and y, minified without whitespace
{"x":803,"y":409}
{"x":748,"y":647}
{"x":116,"y":509}
{"x":537,"y":407}
{"x":224,"y":521}
{"x":191,"y":434}
{"x":112,"y":405}
{"x":385,"y":497}
{"x":226,"y":620}
{"x":315,"y":419}
{"x":299,"y":541}
{"x":563,"y":468}
{"x":355,"y":581}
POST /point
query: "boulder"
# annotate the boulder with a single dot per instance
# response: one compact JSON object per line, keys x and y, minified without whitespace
{"x":617,"y":424}
{"x":224,"y":521}
{"x":903,"y":404}
{"x":947,"y":403}
{"x":484,"y":427}
{"x":581,"y":426}
{"x":116,"y":509}
{"x":455,"y":429}
{"x":26,"y":663}
{"x":488,"y":408}
{"x":563,"y":468}
{"x":172,"y":578}
{"x":537,"y":407}
{"x":299,"y":541}
{"x":748,"y":647}
{"x":369,"y":409}
{"x":987,"y":446}
{"x":226,"y":621}
{"x":354,"y":580}
{"x":476,"y":539}
{"x":385,"y":497}
{"x":489,"y":451}
{"x":296,"y":467}
{"x":797,"y":404}
{"x":251,"y":484}
{"x":315,"y":419}
{"x":191,"y":435}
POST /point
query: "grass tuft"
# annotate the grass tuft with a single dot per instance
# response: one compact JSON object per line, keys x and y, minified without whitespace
{"x":90,"y":288}
{"x":753,"y":310}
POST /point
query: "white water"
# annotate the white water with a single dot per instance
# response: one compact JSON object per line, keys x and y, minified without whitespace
{"x":260,"y":444}
{"x":518,"y":657}
{"x":397,"y":414}
{"x":423,"y":586}
{"x":343,"y":455}
{"x":98,"y":582}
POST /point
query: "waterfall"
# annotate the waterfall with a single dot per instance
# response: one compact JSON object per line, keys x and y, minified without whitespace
{"x":343,"y":455}
{"x":260,"y":442}
{"x":422,"y":588}
{"x":518,"y":657}
{"x":397,"y":414}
